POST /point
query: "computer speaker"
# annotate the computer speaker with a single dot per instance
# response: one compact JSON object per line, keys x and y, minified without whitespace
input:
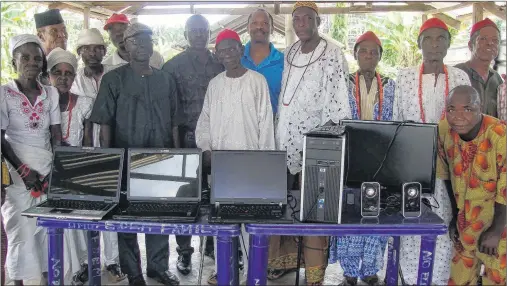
{"x":411,"y":198}
{"x":370,"y":199}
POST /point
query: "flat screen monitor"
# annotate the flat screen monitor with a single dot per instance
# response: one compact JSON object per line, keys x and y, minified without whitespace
{"x":410,"y":158}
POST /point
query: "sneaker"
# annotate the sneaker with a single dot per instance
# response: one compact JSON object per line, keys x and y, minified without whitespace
{"x":166,"y":277}
{"x":184,"y":264}
{"x":114,"y":273}
{"x":81,"y":277}
{"x":212,"y":279}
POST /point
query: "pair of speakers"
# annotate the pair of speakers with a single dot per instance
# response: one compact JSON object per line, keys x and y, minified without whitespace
{"x":411,"y":197}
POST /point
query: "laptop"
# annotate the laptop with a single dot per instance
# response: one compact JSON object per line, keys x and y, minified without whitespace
{"x":84,"y":183}
{"x":248,"y":187}
{"x":164,"y":185}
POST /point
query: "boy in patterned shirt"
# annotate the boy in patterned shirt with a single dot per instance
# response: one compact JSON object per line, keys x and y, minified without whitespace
{"x":471,"y":157}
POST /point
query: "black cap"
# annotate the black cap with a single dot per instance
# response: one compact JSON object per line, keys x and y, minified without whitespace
{"x":47,"y":18}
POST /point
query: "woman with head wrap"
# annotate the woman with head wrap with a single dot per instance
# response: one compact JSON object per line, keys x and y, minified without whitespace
{"x":75,"y":110}
{"x":30,"y":123}
{"x":76,"y":131}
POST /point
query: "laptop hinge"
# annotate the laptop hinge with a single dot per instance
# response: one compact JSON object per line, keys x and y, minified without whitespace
{"x":56,"y":199}
{"x":108,"y":201}
{"x":217,"y":205}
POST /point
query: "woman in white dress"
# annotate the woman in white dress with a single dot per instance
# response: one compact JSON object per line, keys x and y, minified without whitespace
{"x":76,"y":131}
{"x":420,"y":97}
{"x":30,"y":123}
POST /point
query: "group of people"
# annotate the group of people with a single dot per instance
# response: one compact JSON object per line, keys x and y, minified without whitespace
{"x":254,"y":97}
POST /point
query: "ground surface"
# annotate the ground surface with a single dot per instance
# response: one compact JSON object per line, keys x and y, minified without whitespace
{"x":333,"y":272}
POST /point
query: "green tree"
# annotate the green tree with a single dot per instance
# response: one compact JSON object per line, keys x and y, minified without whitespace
{"x":14,"y":22}
{"x":339,"y":27}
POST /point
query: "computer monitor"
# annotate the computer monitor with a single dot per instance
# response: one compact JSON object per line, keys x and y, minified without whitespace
{"x":407,"y":152}
{"x":164,"y":174}
{"x":254,"y":177}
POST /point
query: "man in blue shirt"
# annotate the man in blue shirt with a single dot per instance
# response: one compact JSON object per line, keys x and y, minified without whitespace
{"x":260,"y":54}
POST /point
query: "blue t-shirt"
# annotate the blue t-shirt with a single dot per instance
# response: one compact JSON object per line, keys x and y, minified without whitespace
{"x":271,"y":68}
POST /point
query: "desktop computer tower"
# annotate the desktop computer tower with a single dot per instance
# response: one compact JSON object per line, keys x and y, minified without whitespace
{"x":323,"y":175}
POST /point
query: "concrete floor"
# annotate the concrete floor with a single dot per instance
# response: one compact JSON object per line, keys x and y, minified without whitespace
{"x":333,"y":272}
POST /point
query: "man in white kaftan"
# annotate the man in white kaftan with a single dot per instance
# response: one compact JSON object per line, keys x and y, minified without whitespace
{"x":434,"y":85}
{"x":237,"y":113}
{"x":311,"y":96}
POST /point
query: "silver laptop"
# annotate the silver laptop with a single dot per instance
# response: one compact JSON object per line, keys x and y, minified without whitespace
{"x":84,"y":183}
{"x":163,"y":185}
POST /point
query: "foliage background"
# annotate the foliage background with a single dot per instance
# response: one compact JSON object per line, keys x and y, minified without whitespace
{"x":398,"y":33}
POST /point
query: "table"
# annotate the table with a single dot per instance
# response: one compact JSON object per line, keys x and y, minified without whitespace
{"x":226,"y":252}
{"x":428,"y":226}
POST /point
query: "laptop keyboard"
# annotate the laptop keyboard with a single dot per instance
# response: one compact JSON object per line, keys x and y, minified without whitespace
{"x":77,"y":205}
{"x":251,"y":210}
{"x":162,"y":209}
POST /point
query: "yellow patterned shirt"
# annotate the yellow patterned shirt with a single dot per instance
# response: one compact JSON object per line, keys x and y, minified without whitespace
{"x":477,"y":171}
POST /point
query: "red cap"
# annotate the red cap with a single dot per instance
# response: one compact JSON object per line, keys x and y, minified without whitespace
{"x":368,"y":36}
{"x":116,"y":18}
{"x":433,"y":23}
{"x":481,"y":24}
{"x":227,"y":34}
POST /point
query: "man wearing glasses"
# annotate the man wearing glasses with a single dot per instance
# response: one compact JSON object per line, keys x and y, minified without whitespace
{"x":137,"y":107}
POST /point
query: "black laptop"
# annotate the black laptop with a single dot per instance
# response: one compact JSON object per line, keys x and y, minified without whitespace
{"x":164,"y":185}
{"x":84,"y":184}
{"x":248,"y":187}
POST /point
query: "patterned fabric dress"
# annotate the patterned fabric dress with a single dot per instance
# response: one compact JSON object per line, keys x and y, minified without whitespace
{"x":407,"y":107}
{"x":477,"y":171}
{"x":369,"y":250}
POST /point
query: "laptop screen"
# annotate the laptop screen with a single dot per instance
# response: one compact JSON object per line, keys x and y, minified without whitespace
{"x":249,"y":176}
{"x":169,"y":176}
{"x":87,"y":173}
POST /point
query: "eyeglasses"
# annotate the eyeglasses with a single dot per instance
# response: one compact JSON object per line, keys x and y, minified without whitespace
{"x":223,"y":52}
{"x":140,"y":41}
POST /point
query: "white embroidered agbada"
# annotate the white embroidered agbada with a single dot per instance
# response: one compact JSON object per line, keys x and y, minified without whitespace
{"x":73,"y":130}
{"x":406,"y":107}
{"x":310,"y":96}
{"x":236,"y":114}
{"x":27,"y":130}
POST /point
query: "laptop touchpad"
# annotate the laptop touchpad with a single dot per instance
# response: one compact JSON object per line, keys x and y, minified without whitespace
{"x":61,"y":211}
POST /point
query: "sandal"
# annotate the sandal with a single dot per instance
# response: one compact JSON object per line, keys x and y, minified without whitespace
{"x":349,"y":281}
{"x":274,"y":274}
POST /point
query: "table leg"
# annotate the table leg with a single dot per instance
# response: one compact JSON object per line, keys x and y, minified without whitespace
{"x":426,"y":257}
{"x":94,"y":271}
{"x":55,"y":256}
{"x":235,"y":261}
{"x":258,"y":260}
{"x":224,"y":254}
{"x":393,"y":261}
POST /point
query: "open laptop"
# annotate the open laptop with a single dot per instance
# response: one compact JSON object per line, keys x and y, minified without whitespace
{"x":164,"y":185}
{"x":248,"y":187}
{"x":84,"y":183}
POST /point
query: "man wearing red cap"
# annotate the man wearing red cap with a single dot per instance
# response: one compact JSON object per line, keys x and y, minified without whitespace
{"x":371,"y":97}
{"x":420,"y":96}
{"x":116,"y":26}
{"x":237,"y":113}
{"x":313,"y":93}
{"x":484,"y":45}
